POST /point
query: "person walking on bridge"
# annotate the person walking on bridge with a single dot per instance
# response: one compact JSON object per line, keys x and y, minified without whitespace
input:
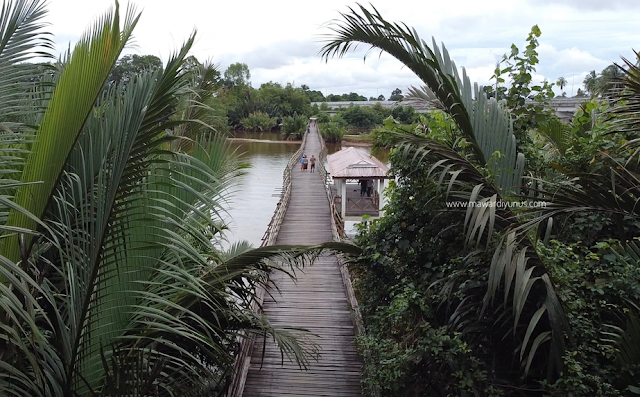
{"x":312,"y":161}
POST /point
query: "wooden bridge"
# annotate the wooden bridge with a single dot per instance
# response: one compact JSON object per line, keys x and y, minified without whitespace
{"x":320,"y":301}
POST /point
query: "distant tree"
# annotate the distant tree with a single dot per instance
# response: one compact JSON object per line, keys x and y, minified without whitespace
{"x":334,"y":98}
{"x":561,"y":82}
{"x":132,"y":65}
{"x":404,"y":114}
{"x":360,"y":117}
{"x":396,"y":95}
{"x":237,"y":74}
{"x":591,"y":83}
{"x":381,"y":112}
{"x":323,"y":117}
{"x":304,"y":87}
{"x":381,"y":98}
{"x":372,"y":98}
{"x":315,"y":96}
{"x":352,"y":96}
{"x":611,"y":79}
{"x":280,"y":101}
{"x":602,"y":84}
{"x":580,"y":93}
{"x":324,"y":107}
{"x":258,"y":121}
{"x":192,"y":65}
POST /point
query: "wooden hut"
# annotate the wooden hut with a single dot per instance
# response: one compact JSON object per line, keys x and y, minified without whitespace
{"x":358,"y":181}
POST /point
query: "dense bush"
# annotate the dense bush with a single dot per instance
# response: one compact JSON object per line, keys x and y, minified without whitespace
{"x":360,"y":117}
{"x":410,"y":256}
{"x":405,"y":114}
{"x":258,"y":121}
{"x":596,"y":285}
{"x":322,"y":117}
{"x":332,"y":132}
{"x":495,"y":299}
{"x":294,"y":127}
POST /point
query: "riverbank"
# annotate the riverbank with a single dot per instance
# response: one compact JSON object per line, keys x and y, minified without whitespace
{"x":349,"y":140}
{"x":358,"y":140}
{"x":261,"y":140}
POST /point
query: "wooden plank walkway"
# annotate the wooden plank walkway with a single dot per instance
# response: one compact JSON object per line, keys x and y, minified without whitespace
{"x":316,"y":302}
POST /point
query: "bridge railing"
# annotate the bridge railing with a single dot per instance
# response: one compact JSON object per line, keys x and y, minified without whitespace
{"x":337,"y":226}
{"x":243,"y":359}
{"x":271,"y":234}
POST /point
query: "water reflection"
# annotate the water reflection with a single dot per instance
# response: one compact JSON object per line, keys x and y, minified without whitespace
{"x":258,"y":191}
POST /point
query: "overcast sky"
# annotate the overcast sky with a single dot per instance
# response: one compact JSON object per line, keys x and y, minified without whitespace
{"x":279,"y":39}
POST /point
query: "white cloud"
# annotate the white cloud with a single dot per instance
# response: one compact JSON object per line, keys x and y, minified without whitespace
{"x":279,"y":39}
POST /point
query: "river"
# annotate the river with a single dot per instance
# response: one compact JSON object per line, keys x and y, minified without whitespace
{"x":257,"y":192}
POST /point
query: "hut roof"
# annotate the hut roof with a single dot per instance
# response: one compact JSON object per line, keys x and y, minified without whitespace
{"x":352,"y":163}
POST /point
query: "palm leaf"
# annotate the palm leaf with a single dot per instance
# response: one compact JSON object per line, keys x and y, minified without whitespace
{"x":80,"y":84}
{"x":487,"y":129}
{"x":21,"y":40}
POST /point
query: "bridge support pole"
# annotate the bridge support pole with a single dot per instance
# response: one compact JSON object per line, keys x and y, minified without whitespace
{"x":343,"y":192}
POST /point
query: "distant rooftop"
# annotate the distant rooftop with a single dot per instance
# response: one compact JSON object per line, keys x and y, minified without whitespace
{"x":352,"y":163}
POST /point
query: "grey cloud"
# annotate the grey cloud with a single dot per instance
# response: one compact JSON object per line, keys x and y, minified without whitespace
{"x":583,"y":5}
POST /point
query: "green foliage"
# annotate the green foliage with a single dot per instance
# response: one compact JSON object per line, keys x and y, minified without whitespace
{"x":280,"y":101}
{"x":350,"y":97}
{"x":130,"y":66}
{"x":414,"y":281}
{"x":271,"y":98}
{"x":293,"y":127}
{"x":381,"y":112}
{"x":360,"y":117}
{"x":396,"y":95}
{"x":331,"y":131}
{"x":322,"y":117}
{"x":313,"y":95}
{"x":237,"y":74}
{"x":258,"y":121}
{"x":118,"y":287}
{"x":605,"y":83}
{"x":404,"y":114}
{"x":595,"y":284}
{"x":518,"y":68}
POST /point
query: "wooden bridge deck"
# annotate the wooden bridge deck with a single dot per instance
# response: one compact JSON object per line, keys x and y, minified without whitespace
{"x":316,"y":302}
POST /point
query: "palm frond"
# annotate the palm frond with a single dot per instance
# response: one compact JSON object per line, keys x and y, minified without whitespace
{"x":21,"y":40}
{"x":482,"y":122}
{"x":557,"y":133}
{"x":486,"y":126}
{"x":79,"y":86}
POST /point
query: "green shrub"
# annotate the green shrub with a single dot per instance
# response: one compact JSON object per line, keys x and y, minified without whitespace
{"x":258,"y":121}
{"x":322,"y":117}
{"x":332,"y":132}
{"x":360,"y":117}
{"x":405,"y":114}
{"x":293,"y":127}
